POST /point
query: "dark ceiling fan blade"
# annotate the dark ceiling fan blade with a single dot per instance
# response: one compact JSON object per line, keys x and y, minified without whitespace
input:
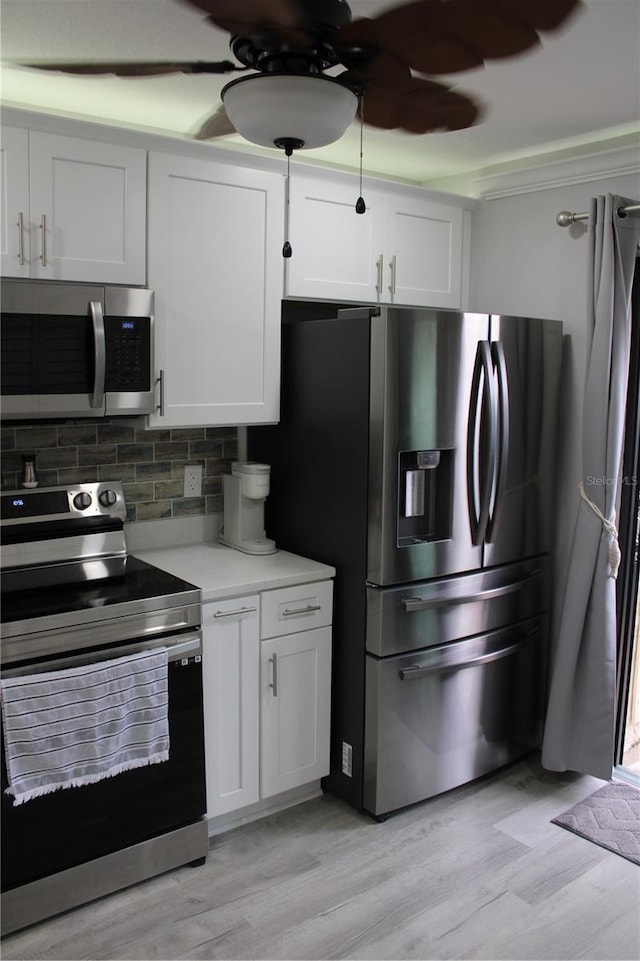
{"x":216,"y":125}
{"x":395,"y":100}
{"x":137,"y":69}
{"x":242,"y":17}
{"x":445,"y":36}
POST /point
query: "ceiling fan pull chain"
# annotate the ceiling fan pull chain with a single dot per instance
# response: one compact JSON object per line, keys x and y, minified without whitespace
{"x":286,"y":247}
{"x":360,"y":204}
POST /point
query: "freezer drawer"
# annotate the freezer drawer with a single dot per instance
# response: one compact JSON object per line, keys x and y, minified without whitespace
{"x":423,"y":615}
{"x":442,"y":717}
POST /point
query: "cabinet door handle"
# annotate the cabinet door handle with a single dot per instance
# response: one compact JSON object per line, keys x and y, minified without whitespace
{"x":392,"y":268}
{"x":236,"y":613}
{"x":379,"y":275}
{"x":302,"y":610}
{"x":274,"y":684}
{"x":20,"y":226}
{"x":160,"y":383}
{"x":43,"y":228}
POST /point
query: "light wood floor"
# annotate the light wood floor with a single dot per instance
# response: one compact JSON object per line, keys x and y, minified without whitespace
{"x":477,"y":873}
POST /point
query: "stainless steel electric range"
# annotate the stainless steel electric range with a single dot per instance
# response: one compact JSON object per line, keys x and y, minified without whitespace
{"x":72,"y":595}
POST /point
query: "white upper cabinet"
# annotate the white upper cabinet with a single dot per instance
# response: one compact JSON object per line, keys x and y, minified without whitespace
{"x":215,"y":263}
{"x":72,"y":209}
{"x":402,"y":250}
{"x":14,"y":200}
{"x":337,"y":253}
{"x":423,"y":243}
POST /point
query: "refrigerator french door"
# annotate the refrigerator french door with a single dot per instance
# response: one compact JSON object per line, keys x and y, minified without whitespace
{"x":415,"y":453}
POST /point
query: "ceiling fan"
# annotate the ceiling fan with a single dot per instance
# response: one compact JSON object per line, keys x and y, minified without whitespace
{"x":312,"y":68}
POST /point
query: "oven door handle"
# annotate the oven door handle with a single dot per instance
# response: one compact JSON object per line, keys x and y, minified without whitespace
{"x":178,"y":647}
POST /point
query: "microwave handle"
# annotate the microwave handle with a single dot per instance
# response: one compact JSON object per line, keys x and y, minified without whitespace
{"x":100,"y":352}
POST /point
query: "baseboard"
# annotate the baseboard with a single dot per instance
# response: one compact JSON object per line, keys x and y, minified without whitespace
{"x":253,"y":812}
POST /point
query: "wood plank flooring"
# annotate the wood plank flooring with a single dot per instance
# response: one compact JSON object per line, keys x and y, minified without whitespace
{"x":479,"y":872}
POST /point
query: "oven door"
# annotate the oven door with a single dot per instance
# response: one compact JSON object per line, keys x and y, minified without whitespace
{"x":70,"y":827}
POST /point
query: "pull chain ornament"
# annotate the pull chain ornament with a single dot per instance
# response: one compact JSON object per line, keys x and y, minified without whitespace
{"x":288,"y":144}
{"x":286,"y":247}
{"x":361,"y":207}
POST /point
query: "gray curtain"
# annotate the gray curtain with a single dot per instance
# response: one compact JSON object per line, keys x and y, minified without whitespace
{"x":580,"y":723}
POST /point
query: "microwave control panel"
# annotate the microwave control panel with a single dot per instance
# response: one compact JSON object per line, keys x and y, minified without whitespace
{"x":128,"y":341}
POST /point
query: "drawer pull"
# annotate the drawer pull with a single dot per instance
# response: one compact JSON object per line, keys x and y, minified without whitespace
{"x":309,"y":609}
{"x":236,"y":613}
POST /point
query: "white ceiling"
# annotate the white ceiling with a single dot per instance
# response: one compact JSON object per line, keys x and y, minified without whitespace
{"x":579,"y":92}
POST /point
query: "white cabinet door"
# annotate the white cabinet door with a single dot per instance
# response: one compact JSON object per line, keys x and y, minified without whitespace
{"x":88,"y":210}
{"x":215,"y":263}
{"x":295,"y":697}
{"x":14,"y":202}
{"x":231,"y":698}
{"x":402,"y":250}
{"x":335,"y":250}
{"x":423,"y":253}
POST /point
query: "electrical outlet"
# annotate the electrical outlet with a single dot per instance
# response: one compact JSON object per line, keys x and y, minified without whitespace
{"x":193,"y":480}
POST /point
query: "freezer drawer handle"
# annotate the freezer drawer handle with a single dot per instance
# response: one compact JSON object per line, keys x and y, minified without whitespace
{"x":413,"y":604}
{"x":416,"y":670}
{"x":309,"y":609}
{"x":236,"y":612}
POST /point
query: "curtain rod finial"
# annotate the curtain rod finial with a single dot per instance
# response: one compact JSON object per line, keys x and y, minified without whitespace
{"x":564,"y":218}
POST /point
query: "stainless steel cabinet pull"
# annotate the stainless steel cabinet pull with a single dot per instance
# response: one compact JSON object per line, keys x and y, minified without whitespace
{"x":393,"y":269}
{"x":274,"y":684}
{"x":99,"y":353}
{"x":43,"y":228}
{"x":379,"y":275}
{"x":236,"y":612}
{"x":20,"y":226}
{"x":302,"y":610}
{"x":160,"y":383}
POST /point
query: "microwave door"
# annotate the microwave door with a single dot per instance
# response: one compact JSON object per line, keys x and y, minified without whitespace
{"x":53,"y":351}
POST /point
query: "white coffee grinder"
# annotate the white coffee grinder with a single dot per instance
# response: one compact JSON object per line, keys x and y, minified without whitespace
{"x":245,"y":491}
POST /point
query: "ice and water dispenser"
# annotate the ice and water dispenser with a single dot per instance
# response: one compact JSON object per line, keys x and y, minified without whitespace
{"x":424,"y":496}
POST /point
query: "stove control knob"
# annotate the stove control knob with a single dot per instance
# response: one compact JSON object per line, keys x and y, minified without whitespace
{"x":82,"y":500}
{"x":108,"y":498}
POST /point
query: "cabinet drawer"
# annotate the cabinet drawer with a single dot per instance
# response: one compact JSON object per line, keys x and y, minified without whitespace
{"x":295,"y":609}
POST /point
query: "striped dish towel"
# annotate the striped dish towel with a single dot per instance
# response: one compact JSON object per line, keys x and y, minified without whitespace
{"x":73,"y":727}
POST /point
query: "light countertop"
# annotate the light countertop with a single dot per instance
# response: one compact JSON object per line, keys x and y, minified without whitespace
{"x":224,"y":572}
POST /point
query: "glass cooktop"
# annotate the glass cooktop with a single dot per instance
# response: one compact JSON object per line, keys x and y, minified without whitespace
{"x":48,"y":591}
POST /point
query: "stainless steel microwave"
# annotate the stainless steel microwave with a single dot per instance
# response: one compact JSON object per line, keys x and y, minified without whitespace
{"x":75,"y":350}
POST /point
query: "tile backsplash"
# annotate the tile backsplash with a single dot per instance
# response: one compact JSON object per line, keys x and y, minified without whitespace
{"x":150,"y":463}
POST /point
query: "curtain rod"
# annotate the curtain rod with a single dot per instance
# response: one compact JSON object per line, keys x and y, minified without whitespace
{"x":565,"y":218}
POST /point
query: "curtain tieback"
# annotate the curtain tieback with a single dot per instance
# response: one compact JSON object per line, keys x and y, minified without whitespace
{"x":611,"y":529}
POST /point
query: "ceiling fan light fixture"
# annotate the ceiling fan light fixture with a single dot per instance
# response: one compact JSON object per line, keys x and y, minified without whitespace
{"x":269,"y":107}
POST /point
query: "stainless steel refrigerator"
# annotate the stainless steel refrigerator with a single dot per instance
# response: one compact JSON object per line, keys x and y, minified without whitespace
{"x":416,"y":453}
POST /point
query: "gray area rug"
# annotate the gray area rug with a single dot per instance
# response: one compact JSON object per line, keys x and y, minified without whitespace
{"x":610,"y":817}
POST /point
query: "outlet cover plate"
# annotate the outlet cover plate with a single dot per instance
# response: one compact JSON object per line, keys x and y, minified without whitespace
{"x":193,"y":480}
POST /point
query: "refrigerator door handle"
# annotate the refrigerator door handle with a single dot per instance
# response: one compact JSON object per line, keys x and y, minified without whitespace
{"x":413,"y":604}
{"x":497,"y":353}
{"x":415,"y":671}
{"x":480,"y":463}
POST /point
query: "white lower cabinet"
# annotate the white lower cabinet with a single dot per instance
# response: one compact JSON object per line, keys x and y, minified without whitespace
{"x":230,"y":672}
{"x":267,"y":703}
{"x":295,"y":683}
